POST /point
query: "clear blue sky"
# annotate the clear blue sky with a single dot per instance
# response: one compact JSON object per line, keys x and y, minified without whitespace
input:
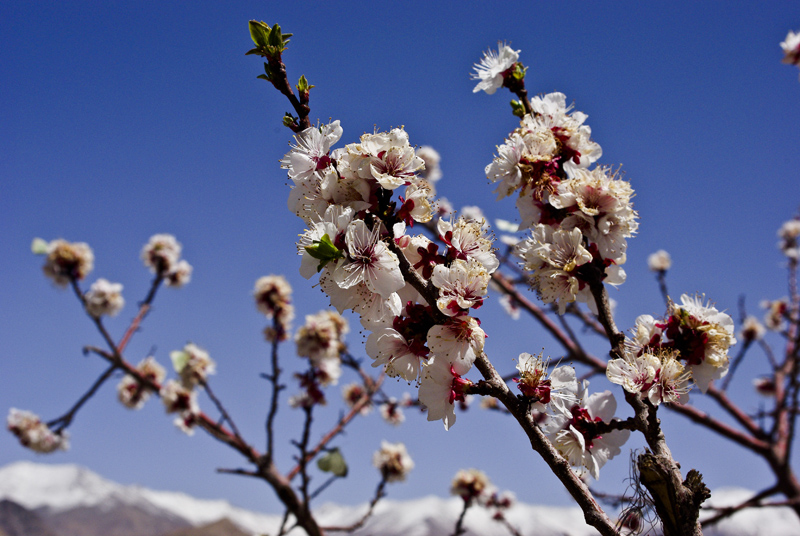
{"x":121,"y":121}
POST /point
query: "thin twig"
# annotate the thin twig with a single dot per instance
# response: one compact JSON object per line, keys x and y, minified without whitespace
{"x":379,"y":494}
{"x":65,"y":420}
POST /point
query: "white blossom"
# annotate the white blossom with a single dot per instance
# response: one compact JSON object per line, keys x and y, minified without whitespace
{"x":791,"y":48}
{"x":104,"y":298}
{"x":660,"y":261}
{"x":491,"y":68}
{"x":393,"y":461}
{"x":131,"y":392}
{"x":703,"y":335}
{"x":309,"y":153}
{"x":193,"y":364}
{"x":369,"y":260}
{"x":34,"y":434}
{"x":67,"y":261}
{"x":161,"y":254}
{"x":575,"y":437}
{"x":470,"y":484}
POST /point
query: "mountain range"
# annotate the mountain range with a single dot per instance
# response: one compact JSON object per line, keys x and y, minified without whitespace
{"x":69,"y":500}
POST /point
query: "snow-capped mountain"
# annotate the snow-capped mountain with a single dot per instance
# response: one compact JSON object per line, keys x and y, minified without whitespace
{"x":68,"y":495}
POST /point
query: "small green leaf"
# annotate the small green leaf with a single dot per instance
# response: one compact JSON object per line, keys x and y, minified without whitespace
{"x":39,"y":246}
{"x":288,"y":121}
{"x":259,"y":32}
{"x":517,"y":108}
{"x":333,"y":462}
{"x":324,"y":251}
{"x":519,"y":71}
{"x":303,"y":85}
{"x":263,"y":77}
{"x":179,"y":359}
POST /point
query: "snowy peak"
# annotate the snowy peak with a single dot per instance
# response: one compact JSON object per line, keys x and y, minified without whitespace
{"x":56,"y":487}
{"x":70,"y":498}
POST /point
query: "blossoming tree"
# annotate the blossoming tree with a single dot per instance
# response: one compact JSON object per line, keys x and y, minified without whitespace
{"x":417,"y":294}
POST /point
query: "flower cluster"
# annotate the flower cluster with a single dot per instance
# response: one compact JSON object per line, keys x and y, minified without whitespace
{"x":104,"y":298}
{"x":65,"y":261}
{"x":162,"y":254}
{"x":34,"y":434}
{"x":181,"y":400}
{"x":356,"y":241}
{"x":273,"y":298}
{"x":471,"y":485}
{"x":131,"y":392}
{"x":577,"y":433}
{"x":692,"y":341}
{"x":655,"y":374}
{"x":579,"y":217}
{"x":321,"y":340}
{"x":393,"y":461}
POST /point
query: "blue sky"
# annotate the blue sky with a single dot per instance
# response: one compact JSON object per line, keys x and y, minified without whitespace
{"x":124,"y":120}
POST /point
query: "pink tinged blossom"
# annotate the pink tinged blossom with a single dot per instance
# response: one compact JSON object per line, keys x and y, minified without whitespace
{"x":179,"y":399}
{"x":392,"y":412}
{"x":369,"y":261}
{"x":577,"y":149}
{"x":459,"y":342}
{"x":180,"y":274}
{"x":396,"y":166}
{"x":461,"y":286}
{"x":161,"y":254}
{"x":788,"y":233}
{"x":646,"y":333}
{"x":330,"y":229}
{"x":65,"y":261}
{"x":393,"y":461}
{"x":273,"y":294}
{"x":398,"y":356}
{"x":385,"y":157}
{"x":470,"y":485}
{"x":574,"y":435}
{"x":416,"y":205}
{"x":353,"y":393}
{"x":193,"y":364}
{"x":777,"y":312}
{"x":33,"y":434}
{"x":131,"y":392}
{"x":309,"y":154}
{"x":657,"y":376}
{"x":506,"y":168}
{"x":702,"y":335}
{"x":765,"y":386}
{"x":373,"y":308}
{"x":791,"y":48}
{"x":557,"y":390}
{"x":104,"y":298}
{"x":752,"y":330}
{"x":490,"y":71}
{"x":321,"y":338}
{"x":465,"y":240}
{"x":441,"y":386}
